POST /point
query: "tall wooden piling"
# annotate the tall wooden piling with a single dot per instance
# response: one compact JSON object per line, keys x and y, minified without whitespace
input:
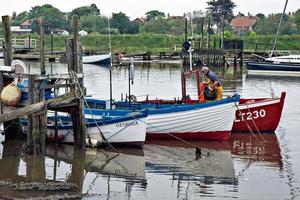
{"x":41,"y":90}
{"x":77,"y":113}
{"x":208,"y":32}
{"x":13,"y":127}
{"x":7,"y":50}
{"x":41,"y":21}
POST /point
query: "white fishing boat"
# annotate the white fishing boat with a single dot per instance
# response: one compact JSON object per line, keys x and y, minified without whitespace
{"x":200,"y":121}
{"x":117,"y":128}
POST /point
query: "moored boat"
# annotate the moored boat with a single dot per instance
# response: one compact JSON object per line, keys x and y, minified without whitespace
{"x":258,"y":115}
{"x":206,"y":121}
{"x":252,"y":114}
{"x":122,"y":128}
{"x":103,"y":59}
{"x":269,"y":68}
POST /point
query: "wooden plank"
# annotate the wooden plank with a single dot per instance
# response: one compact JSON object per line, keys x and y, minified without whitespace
{"x":28,"y":110}
{"x":6,"y":69}
{"x":57,"y":76}
{"x":22,"y":112}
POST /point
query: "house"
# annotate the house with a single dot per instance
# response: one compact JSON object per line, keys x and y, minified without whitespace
{"x":26,"y":24}
{"x":25,"y":27}
{"x":242,"y":25}
{"x":140,"y":20}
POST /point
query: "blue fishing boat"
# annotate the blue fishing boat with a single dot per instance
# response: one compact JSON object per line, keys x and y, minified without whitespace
{"x":199,"y":121}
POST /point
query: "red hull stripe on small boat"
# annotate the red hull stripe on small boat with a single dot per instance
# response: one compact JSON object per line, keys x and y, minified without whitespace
{"x":217,"y":135}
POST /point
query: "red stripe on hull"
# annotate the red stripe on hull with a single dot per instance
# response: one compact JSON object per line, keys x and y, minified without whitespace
{"x":216,"y":135}
{"x":261,"y":118}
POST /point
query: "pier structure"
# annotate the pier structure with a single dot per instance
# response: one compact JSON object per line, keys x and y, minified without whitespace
{"x":35,"y":109}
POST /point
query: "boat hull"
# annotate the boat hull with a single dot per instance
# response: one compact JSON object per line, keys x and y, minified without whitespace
{"x":213,"y":122}
{"x":260,"y":115}
{"x":129,"y":132}
{"x":267,"y":68}
{"x":208,"y":121}
{"x":96,"y":59}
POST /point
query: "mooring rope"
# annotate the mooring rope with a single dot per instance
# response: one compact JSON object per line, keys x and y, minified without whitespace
{"x":198,"y":149}
{"x":248,"y":126}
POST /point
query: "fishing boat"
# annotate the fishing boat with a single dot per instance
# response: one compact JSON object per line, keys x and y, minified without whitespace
{"x":117,"y":127}
{"x":258,"y":114}
{"x":252,"y":114}
{"x":199,"y":121}
{"x":102,"y":59}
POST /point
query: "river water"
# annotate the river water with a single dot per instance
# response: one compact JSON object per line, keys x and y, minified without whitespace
{"x":245,"y":167}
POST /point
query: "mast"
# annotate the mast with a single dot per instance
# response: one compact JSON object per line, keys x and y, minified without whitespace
{"x":110,"y":67}
{"x":275,"y":41}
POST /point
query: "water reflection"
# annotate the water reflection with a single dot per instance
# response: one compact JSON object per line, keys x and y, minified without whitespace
{"x":246,"y":164}
{"x":257,"y":147}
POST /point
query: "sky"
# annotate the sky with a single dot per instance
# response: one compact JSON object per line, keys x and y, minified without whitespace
{"x":138,"y":8}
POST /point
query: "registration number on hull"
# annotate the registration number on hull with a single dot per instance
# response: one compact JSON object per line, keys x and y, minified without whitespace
{"x":250,"y":115}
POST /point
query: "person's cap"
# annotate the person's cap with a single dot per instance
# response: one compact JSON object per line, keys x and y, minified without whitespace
{"x":204,"y":69}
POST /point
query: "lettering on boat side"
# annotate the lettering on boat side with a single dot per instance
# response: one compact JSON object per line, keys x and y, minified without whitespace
{"x":250,"y":115}
{"x":125,"y":124}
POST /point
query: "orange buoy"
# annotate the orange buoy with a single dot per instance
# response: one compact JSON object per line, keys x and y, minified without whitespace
{"x":11,"y":95}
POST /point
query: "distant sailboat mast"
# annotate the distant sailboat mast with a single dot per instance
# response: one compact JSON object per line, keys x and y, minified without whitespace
{"x":275,"y":41}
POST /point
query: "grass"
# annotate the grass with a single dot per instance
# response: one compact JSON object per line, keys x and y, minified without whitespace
{"x":155,"y":43}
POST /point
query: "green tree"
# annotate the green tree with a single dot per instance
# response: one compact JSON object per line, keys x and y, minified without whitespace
{"x":154,"y":14}
{"x":297,"y":18}
{"x":54,"y":18}
{"x":133,"y":27}
{"x":93,"y":23}
{"x":85,"y":11}
{"x":157,"y":26}
{"x":120,"y":21}
{"x":220,"y":9}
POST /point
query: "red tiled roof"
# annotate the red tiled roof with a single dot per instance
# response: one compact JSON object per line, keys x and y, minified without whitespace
{"x":140,"y":20}
{"x":242,"y":22}
{"x":27,"y":22}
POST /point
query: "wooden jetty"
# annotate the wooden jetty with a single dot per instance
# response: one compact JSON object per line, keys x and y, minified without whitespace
{"x":36,"y":109}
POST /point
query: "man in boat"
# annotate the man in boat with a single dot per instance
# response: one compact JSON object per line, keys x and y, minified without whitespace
{"x":213,"y":83}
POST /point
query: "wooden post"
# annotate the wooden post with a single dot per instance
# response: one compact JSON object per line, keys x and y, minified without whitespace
{"x":29,"y":143}
{"x":13,"y":127}
{"x":7,"y":50}
{"x":208,"y":32}
{"x":202,"y":24}
{"x":42,"y":44}
{"x":185,"y":30}
{"x":78,"y":112}
{"x":41,"y":91}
